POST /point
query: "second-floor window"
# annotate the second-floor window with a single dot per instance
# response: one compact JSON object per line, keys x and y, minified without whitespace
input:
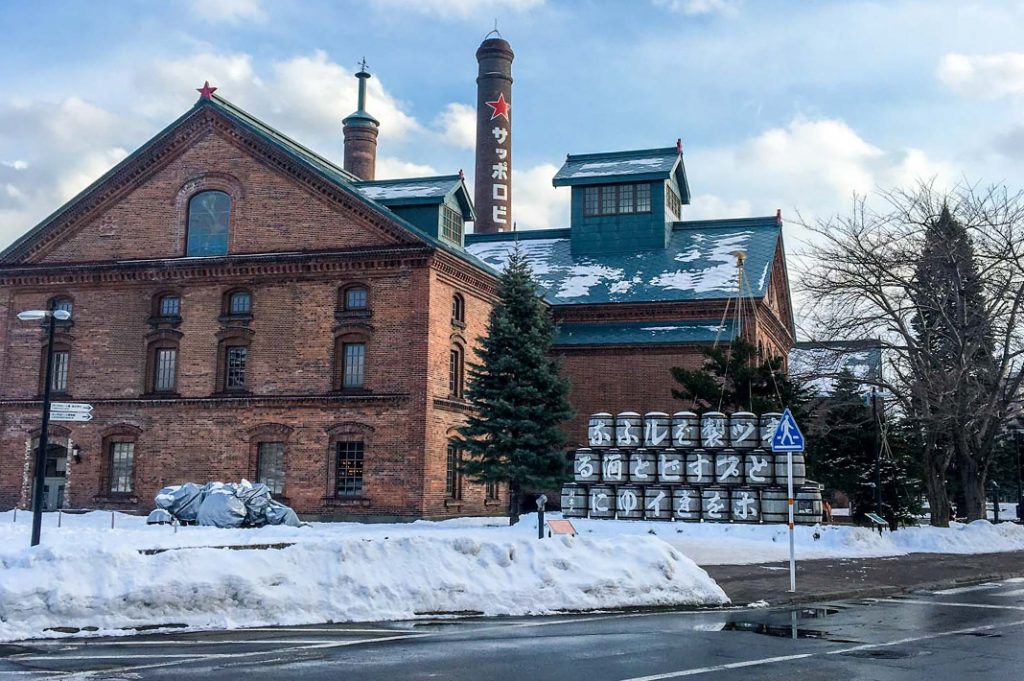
{"x":617,"y":199}
{"x":356,"y":299}
{"x":672,"y":202}
{"x":353,"y":365}
{"x":455,"y":372}
{"x":458,"y":309}
{"x":61,"y":363}
{"x":169,"y":306}
{"x":235,"y":359}
{"x":165,"y":362}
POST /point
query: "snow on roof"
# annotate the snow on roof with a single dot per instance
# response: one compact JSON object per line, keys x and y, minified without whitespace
{"x":413,"y":188}
{"x":644,"y":333}
{"x":698,"y":264}
{"x":641,"y":162}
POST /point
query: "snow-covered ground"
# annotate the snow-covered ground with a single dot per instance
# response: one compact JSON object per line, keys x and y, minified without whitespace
{"x":86,"y":574}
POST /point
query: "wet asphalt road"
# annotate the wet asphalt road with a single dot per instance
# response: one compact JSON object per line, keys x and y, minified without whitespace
{"x":965,"y":633}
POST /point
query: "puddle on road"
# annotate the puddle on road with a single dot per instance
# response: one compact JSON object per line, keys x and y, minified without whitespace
{"x":775,"y":625}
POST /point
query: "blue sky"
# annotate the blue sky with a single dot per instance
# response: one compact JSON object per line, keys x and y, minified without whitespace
{"x":791,"y":105}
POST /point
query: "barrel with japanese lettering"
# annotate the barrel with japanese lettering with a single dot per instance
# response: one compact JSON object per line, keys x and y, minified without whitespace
{"x":714,"y":430}
{"x":586,"y":465}
{"x":799,"y":469}
{"x":700,"y":467}
{"x":758,"y":468}
{"x":657,"y":430}
{"x":574,"y":500}
{"x":614,"y":466}
{"x":685,"y":430}
{"x":629,"y":502}
{"x":744,"y":432}
{"x":728,"y":467}
{"x":686,"y":504}
{"x":670,"y":466}
{"x":642,"y":468}
{"x":807,"y":509}
{"x":629,"y":429}
{"x":715,"y":504}
{"x":769,"y":422}
{"x":774,"y":505}
{"x":657,"y":502}
{"x":746,"y":505}
{"x":602,"y":501}
{"x":601,"y":430}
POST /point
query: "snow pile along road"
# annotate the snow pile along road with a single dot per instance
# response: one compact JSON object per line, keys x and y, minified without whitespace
{"x":112,"y":585}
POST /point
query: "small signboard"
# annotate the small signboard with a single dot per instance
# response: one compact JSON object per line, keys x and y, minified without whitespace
{"x":561,"y":527}
{"x":787,"y":436}
{"x":876,"y":519}
{"x":70,"y":411}
{"x":70,"y":406}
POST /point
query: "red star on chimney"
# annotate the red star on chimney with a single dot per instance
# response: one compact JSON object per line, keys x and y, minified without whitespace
{"x":500,"y":107}
{"x":206,"y":92}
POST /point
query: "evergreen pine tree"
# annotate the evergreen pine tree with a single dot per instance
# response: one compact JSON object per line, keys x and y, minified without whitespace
{"x":952,"y":325}
{"x":735,"y":378}
{"x":515,"y":434}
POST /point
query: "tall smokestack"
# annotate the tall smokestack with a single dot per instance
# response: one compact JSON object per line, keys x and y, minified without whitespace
{"x":360,"y":130}
{"x":493,"y":190}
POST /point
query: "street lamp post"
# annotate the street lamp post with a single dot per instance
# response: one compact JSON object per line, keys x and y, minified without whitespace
{"x":1020,"y":486}
{"x":44,"y":439}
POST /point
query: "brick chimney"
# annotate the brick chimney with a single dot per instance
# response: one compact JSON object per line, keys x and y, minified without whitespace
{"x":360,"y":130}
{"x":493,"y":186}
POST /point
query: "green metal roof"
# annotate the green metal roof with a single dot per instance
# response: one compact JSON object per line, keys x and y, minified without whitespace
{"x":420,"y":191}
{"x":698,"y":264}
{"x":624,"y":166}
{"x":645,"y":333}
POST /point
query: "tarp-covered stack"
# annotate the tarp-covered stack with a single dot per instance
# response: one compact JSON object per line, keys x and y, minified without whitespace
{"x":218,"y":504}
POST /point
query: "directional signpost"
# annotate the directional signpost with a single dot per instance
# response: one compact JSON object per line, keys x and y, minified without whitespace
{"x":788,"y":438}
{"x":70,"y":411}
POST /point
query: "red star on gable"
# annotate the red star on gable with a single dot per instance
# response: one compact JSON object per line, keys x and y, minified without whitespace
{"x":500,"y":107}
{"x":206,"y":92}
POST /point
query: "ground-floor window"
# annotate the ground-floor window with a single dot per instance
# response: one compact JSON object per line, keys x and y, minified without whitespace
{"x":492,"y":491}
{"x":122,"y":467}
{"x":453,"y":478}
{"x":270,"y":465}
{"x":349,"y":478}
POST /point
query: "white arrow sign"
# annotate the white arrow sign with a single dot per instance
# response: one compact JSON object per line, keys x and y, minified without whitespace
{"x":70,"y":416}
{"x":70,"y":406}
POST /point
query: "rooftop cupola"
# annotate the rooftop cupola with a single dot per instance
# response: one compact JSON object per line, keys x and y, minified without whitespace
{"x":360,"y":130}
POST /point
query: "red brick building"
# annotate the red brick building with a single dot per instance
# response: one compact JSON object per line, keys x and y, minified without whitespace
{"x":243,"y":307}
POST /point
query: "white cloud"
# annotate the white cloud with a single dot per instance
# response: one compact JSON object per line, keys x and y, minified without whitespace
{"x":810,"y":165}
{"x":989,"y":76}
{"x":87,"y":169}
{"x":535,"y":203}
{"x":229,"y":11}
{"x":16,"y":164}
{"x":455,"y":9}
{"x":457,"y":125}
{"x":699,"y":7}
{"x":396,"y":169}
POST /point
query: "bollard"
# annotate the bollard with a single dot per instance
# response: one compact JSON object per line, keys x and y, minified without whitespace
{"x":111,"y":520}
{"x":15,"y":514}
{"x":60,"y":516}
{"x":541,"y":501}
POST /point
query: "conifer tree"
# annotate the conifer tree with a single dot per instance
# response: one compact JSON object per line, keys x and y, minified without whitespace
{"x":515,"y":434}
{"x":735,"y":378}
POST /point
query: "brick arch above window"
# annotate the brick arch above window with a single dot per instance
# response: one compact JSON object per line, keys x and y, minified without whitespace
{"x":234,"y":306}
{"x":222,"y":182}
{"x":349,"y":428}
{"x":166,"y":306}
{"x":54,"y":430}
{"x":161,"y":376}
{"x":122,"y":429}
{"x":270,"y":431}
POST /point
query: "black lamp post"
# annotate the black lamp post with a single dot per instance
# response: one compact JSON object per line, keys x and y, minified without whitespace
{"x":1020,"y":487}
{"x":44,"y":439}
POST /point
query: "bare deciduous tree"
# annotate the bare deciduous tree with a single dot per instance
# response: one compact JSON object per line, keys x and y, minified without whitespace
{"x":863,"y":281}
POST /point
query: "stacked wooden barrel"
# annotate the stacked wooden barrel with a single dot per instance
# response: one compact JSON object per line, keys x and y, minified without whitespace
{"x":710,"y":467}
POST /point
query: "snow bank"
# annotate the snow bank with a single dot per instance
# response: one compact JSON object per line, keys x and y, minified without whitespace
{"x":96,"y":577}
{"x":720,"y":544}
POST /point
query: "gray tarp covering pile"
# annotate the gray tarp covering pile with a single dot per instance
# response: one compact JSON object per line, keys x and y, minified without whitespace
{"x":217,"y":504}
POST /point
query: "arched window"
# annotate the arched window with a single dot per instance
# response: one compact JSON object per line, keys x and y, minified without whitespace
{"x":356,"y":299}
{"x":62,"y":303}
{"x":238,"y":303}
{"x":456,"y":372}
{"x":209,"y":215}
{"x":458,"y":309}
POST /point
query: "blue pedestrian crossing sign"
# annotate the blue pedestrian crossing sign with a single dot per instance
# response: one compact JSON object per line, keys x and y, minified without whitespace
{"x":787,"y":436}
